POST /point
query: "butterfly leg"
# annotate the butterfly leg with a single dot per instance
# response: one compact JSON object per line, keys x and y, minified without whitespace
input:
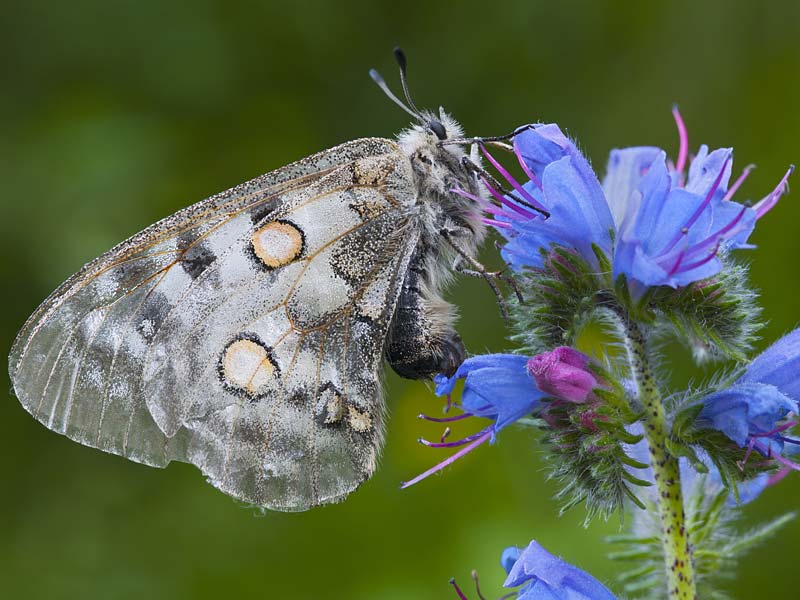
{"x":479,"y":270}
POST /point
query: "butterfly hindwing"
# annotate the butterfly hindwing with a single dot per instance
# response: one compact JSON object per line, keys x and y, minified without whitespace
{"x":243,"y":334}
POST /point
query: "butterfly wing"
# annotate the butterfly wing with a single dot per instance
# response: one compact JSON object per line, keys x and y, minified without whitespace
{"x":244,"y":334}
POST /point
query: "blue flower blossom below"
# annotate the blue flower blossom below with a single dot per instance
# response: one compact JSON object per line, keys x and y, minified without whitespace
{"x":658,"y":225}
{"x":496,"y":387}
{"x":547,"y":577}
{"x":544,"y":577}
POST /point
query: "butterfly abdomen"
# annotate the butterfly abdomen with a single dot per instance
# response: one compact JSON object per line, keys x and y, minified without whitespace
{"x":422,"y":341}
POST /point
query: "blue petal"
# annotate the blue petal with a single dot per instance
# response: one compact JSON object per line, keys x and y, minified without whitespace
{"x":579,"y":215}
{"x":744,"y":409}
{"x":509,"y":557}
{"x":704,"y":170}
{"x":625,"y":169}
{"x":779,"y":365}
{"x":642,"y":218}
{"x":631,"y":260}
{"x":539,"y":590}
{"x":498,"y":386}
{"x":698,"y":273}
{"x":536,"y":564}
{"x":444,"y":384}
{"x":545,"y":144}
{"x":725,"y":212}
{"x":482,"y":361}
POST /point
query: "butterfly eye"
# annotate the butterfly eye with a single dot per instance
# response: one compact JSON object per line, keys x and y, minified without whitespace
{"x":437,"y":128}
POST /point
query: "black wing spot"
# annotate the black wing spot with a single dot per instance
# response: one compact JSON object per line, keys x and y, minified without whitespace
{"x":195,"y":257}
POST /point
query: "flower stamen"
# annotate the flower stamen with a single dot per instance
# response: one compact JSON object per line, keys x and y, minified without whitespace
{"x":514,"y":183}
{"x":700,"y":209}
{"x":457,"y":589}
{"x":764,"y":205}
{"x":493,"y":223}
{"x":506,"y":202}
{"x":739,"y":181}
{"x":528,"y":172}
{"x":780,"y":429}
{"x":477,"y":584}
{"x":778,"y":477}
{"x":456,"y":444}
{"x":443,"y":419}
{"x":777,"y":457}
{"x":485,"y":435}
{"x":683,"y":147}
{"x":718,"y":235}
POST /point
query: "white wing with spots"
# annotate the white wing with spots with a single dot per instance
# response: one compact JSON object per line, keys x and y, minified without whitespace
{"x":244,"y":334}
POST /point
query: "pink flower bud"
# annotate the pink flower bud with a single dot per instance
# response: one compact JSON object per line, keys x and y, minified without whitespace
{"x":563,"y":373}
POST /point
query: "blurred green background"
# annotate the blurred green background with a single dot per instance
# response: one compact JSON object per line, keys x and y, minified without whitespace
{"x":115,"y":114}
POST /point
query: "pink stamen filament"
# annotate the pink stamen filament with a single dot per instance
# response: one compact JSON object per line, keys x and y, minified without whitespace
{"x":739,"y":181}
{"x":764,"y":205}
{"x":777,"y":477}
{"x":530,"y":174}
{"x":494,"y":223}
{"x":748,"y":453}
{"x":455,"y":444}
{"x":497,"y":212}
{"x":683,"y":147}
{"x":784,"y":461}
{"x":444,"y":419}
{"x":458,"y":590}
{"x":700,"y":209}
{"x":702,"y":261}
{"x":678,"y":262}
{"x":788,"y":440}
{"x":468,"y":195}
{"x":508,"y":177}
{"x":718,"y":235}
{"x":780,"y":429}
{"x":506,"y":202}
{"x":487,"y":433}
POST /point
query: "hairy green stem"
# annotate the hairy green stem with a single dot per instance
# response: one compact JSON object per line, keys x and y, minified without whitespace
{"x":674,"y":533}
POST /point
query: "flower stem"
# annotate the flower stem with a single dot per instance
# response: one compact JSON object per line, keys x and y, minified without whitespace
{"x":674,"y":534}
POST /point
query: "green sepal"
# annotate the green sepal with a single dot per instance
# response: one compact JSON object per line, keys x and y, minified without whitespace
{"x":603,"y":262}
{"x":716,"y":318}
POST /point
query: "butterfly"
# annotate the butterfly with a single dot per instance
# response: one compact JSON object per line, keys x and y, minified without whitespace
{"x":246,"y":334}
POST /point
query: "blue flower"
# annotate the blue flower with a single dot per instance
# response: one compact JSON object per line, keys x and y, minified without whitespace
{"x":496,"y":387}
{"x":754,"y":410}
{"x":778,"y":365}
{"x":658,"y":228}
{"x":547,"y":577}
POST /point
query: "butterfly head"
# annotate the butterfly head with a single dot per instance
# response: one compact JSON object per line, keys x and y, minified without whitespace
{"x":441,"y":126}
{"x":438,"y":166}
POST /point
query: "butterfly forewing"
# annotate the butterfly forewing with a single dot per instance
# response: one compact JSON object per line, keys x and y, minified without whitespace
{"x":243,"y":334}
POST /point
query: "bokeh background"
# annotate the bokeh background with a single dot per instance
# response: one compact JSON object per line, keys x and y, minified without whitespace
{"x":115,"y":114}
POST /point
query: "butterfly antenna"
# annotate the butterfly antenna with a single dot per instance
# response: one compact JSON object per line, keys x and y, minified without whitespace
{"x":378,"y":79}
{"x":400,"y":57}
